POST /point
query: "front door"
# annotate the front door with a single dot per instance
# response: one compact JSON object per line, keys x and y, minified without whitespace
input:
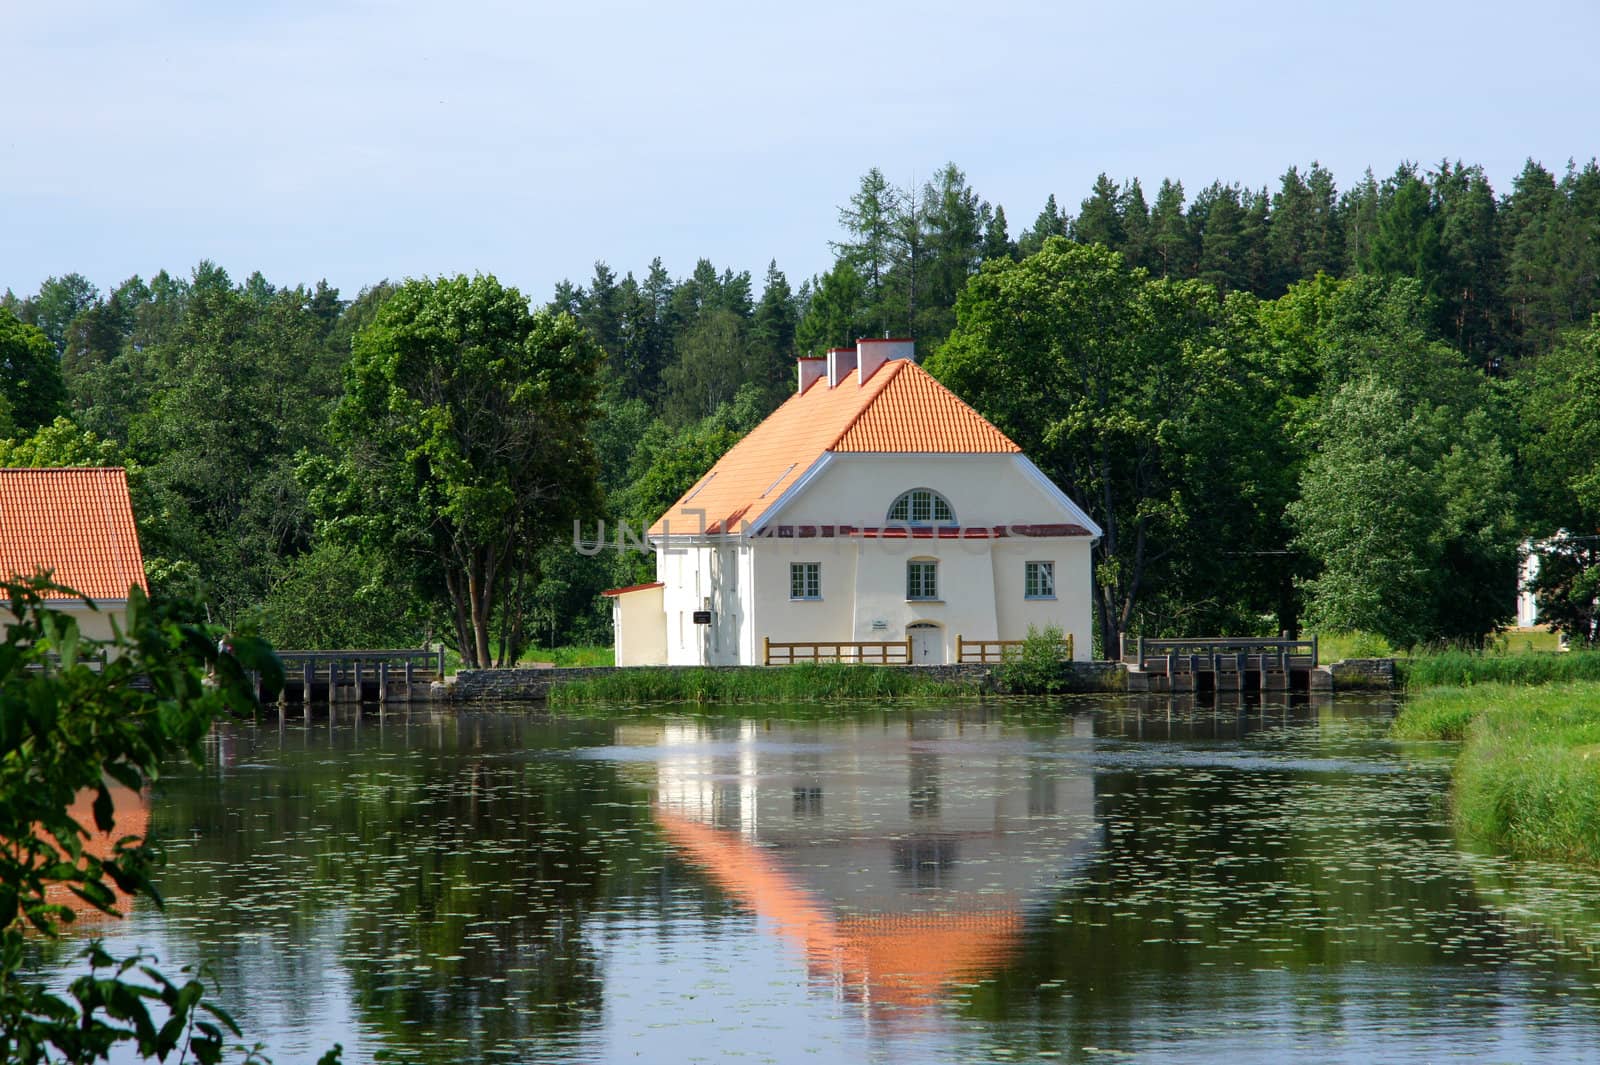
{"x":927,"y":643}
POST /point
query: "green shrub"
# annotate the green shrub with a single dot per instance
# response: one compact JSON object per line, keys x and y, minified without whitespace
{"x":1038,"y":667}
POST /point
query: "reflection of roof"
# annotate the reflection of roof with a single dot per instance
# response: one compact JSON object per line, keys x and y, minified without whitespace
{"x":131,"y":813}
{"x":904,"y":958}
{"x":900,"y":408}
{"x":77,"y":522}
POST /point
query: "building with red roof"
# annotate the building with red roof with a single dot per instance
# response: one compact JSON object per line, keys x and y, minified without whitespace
{"x":77,"y":524}
{"x":873,"y":506}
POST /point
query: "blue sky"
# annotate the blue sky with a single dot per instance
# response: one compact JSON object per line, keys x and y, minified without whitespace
{"x":363,"y":140}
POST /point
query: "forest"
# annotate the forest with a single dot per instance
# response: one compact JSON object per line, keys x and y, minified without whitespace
{"x":1301,"y":406}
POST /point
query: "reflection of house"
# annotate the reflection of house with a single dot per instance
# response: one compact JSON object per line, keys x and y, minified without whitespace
{"x":79,"y":524}
{"x":899,"y":856}
{"x":873,"y":505}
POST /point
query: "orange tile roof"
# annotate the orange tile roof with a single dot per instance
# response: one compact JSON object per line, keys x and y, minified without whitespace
{"x":900,"y":408}
{"x":77,"y":522}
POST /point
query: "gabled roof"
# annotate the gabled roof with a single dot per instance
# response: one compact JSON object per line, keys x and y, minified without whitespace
{"x":900,"y":408}
{"x":77,"y":522}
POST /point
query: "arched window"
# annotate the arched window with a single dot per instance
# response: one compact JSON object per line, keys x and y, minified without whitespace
{"x":922,"y":506}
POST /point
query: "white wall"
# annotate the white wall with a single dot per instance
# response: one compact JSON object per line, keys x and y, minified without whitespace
{"x":856,"y":489}
{"x":701,"y":576}
{"x":639,"y":625}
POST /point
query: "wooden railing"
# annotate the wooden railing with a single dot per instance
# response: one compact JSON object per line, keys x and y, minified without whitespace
{"x":874,"y":652}
{"x":999,"y":650}
{"x":1172,"y":655}
{"x":345,"y":673}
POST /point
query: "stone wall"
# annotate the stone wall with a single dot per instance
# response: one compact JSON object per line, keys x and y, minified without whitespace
{"x":1351,"y":673}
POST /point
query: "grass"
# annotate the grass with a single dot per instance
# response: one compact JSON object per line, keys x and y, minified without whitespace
{"x":1528,"y":776}
{"x":1465,"y":668}
{"x":569,"y":656}
{"x":799,"y":683}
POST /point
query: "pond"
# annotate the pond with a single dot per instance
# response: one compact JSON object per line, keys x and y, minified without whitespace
{"x":1096,"y":879}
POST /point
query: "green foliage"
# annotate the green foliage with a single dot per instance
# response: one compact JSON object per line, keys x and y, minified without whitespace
{"x":1409,"y":513}
{"x":806,"y":682}
{"x":1038,"y":667}
{"x":1154,"y":387}
{"x":1334,"y":646}
{"x":61,"y":443}
{"x":31,"y":386}
{"x":1526,"y":779}
{"x":338,"y":596}
{"x":78,"y":716}
{"x":464,"y":430}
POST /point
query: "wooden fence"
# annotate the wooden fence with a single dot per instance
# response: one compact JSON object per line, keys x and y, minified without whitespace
{"x":856,"y":652}
{"x":1174,"y":655}
{"x":1000,"y":650}
{"x":353,"y":675}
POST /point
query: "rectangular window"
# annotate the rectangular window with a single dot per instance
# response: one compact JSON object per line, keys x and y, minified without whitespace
{"x":805,"y":580}
{"x":1040,"y":581}
{"x":922,"y":580}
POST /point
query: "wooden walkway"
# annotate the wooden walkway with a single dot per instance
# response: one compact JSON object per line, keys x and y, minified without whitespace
{"x":313,"y":678}
{"x":1223,"y":664}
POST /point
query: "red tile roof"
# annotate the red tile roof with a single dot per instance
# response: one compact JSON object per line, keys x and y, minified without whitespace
{"x":77,"y":522}
{"x":633,"y":588}
{"x":900,"y":408}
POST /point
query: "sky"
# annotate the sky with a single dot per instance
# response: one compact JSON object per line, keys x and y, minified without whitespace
{"x":356,"y":140}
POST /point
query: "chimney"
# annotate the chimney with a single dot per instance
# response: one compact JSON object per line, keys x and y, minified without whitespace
{"x":810,"y":370}
{"x":840,"y":362}
{"x":872,"y":353}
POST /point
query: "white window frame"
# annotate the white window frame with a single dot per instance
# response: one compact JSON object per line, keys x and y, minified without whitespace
{"x":922,"y":580}
{"x":809,"y":583}
{"x":1048,"y":588}
{"x":921,"y":506}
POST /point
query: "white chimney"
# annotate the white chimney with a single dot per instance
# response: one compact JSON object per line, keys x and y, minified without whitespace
{"x":840,"y":362}
{"x":872,"y":353}
{"x":810,"y":370}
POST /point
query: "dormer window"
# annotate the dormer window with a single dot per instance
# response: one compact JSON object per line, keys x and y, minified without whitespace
{"x":922,"y":506}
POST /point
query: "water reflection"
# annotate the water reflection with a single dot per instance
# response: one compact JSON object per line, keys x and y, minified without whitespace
{"x":1165,"y":880}
{"x":904,"y":863}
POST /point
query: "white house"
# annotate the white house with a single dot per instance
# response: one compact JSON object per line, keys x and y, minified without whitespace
{"x":78,"y":524}
{"x":873,"y":505}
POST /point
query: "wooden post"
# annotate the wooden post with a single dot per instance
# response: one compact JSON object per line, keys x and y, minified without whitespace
{"x":383,"y":682}
{"x":1141,"y":651}
{"x":766,"y":650}
{"x":411,"y":684}
{"x":333,"y":682}
{"x":960,"y":655}
{"x":358,"y":679}
{"x":308,"y":674}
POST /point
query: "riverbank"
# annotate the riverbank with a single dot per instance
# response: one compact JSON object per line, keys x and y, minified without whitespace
{"x":1528,"y":776}
{"x":1467,"y":668}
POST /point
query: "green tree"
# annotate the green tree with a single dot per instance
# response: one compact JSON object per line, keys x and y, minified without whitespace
{"x":1052,"y":222}
{"x":68,"y":726}
{"x":1558,"y":410}
{"x":1408,"y":513}
{"x":30,"y":375}
{"x":1147,"y":385}
{"x":465,"y":436}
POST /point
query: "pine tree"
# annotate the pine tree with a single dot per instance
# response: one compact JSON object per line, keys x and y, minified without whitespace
{"x":1135,"y":224}
{"x":997,"y":243}
{"x":1358,"y":208}
{"x":871,"y":219}
{"x":1172,"y":248}
{"x":1099,"y":220}
{"x":1050,"y":223}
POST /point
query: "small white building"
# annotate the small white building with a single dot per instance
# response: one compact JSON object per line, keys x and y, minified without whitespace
{"x":873,"y":505}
